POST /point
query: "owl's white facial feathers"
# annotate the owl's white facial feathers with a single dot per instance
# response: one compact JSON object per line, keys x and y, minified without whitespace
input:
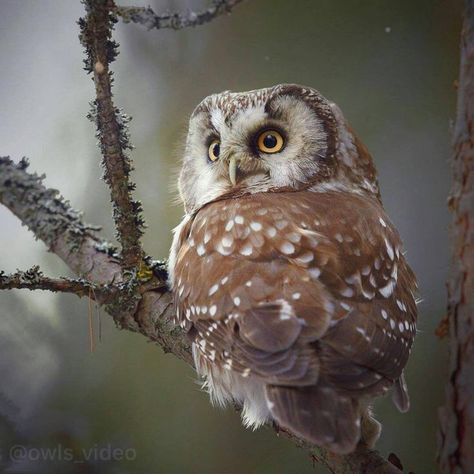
{"x":202,"y":181}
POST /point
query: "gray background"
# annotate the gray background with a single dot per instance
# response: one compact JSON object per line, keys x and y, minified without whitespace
{"x":389,"y":65}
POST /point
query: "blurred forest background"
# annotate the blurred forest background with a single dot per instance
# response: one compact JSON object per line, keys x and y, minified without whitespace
{"x":390,"y":65}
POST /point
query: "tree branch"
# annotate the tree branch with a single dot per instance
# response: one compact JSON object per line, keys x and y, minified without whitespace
{"x":176,"y":21}
{"x":457,"y":416}
{"x":33,"y":279}
{"x":52,"y":220}
{"x":142,"y":303}
{"x":96,"y":37}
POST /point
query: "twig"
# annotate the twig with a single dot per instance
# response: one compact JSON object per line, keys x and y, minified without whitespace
{"x":176,"y":21}
{"x":456,"y":452}
{"x":33,"y":279}
{"x":101,"y":50}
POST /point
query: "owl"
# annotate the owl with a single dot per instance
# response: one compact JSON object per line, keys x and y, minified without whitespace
{"x":287,"y":274}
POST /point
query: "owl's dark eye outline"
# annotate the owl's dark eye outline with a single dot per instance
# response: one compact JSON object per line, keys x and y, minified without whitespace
{"x":270,"y":141}
{"x":214,"y":150}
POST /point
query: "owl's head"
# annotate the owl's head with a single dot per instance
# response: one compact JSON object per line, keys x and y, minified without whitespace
{"x":283,"y":138}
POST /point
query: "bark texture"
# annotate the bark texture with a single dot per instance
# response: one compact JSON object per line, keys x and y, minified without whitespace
{"x":457,"y":416}
{"x":176,"y":21}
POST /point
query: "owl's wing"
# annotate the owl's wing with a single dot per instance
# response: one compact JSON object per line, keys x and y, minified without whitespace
{"x":313,"y":296}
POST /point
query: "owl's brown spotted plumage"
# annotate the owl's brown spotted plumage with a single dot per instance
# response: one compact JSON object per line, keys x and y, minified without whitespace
{"x":287,"y":273}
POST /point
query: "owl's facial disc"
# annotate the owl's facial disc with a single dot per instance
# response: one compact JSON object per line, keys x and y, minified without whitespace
{"x":254,"y":142}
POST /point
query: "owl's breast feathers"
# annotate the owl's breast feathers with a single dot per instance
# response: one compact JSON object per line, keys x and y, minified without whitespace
{"x":308,"y":292}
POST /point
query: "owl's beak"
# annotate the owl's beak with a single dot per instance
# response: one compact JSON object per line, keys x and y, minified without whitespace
{"x":233,"y":165}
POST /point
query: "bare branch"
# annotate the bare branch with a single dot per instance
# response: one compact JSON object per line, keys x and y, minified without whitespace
{"x":176,"y":21}
{"x":96,"y":37}
{"x":457,"y":416}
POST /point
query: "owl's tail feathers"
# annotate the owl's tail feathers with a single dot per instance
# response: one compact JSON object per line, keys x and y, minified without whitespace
{"x":317,"y":414}
{"x":400,"y":394}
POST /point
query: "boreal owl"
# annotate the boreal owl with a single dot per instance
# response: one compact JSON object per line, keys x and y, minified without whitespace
{"x":287,"y":273}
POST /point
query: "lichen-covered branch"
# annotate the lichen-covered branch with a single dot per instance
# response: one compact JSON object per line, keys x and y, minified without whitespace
{"x":457,"y":416}
{"x":52,"y":220}
{"x":33,"y":279}
{"x":176,"y":21}
{"x":101,"y":50}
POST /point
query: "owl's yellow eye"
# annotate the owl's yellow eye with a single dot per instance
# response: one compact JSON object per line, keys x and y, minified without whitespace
{"x":270,"y":141}
{"x":214,"y":150}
